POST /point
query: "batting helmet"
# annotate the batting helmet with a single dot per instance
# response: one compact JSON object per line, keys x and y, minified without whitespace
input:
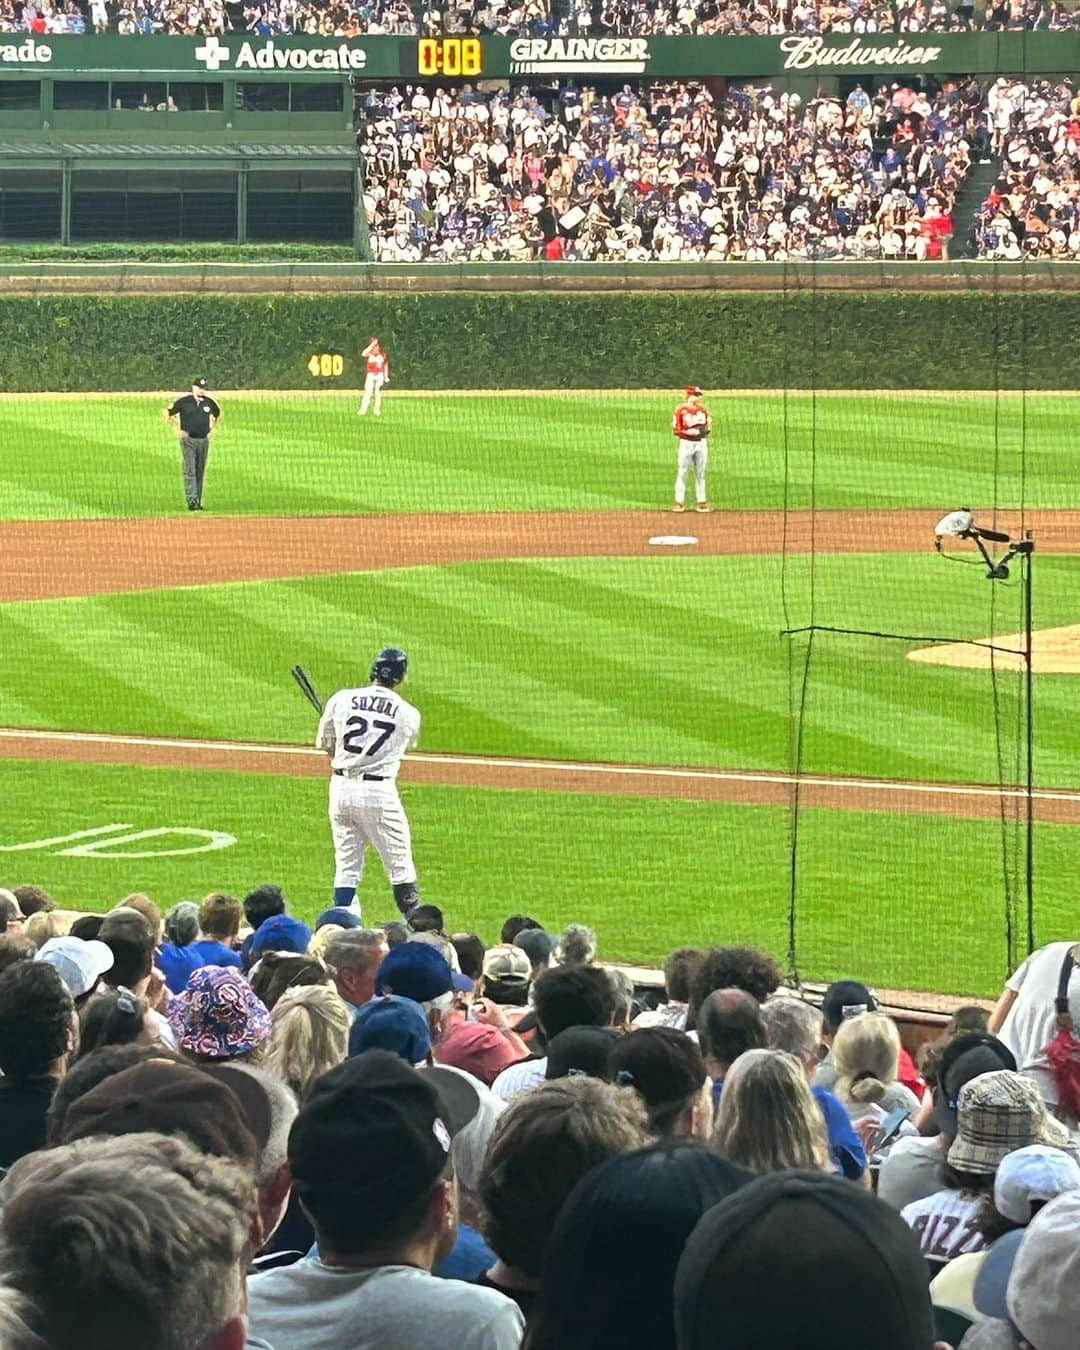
{"x":389,"y":666}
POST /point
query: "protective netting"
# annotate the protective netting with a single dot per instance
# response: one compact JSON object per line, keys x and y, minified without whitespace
{"x":794,"y":720}
{"x":912,"y":697}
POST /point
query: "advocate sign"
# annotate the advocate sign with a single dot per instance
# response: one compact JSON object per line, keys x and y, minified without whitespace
{"x":28,"y":53}
{"x":275,"y":55}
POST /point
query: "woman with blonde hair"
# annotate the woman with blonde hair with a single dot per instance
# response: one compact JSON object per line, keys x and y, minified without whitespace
{"x":768,"y":1120}
{"x":865,"y":1054}
{"x":309,"y":1034}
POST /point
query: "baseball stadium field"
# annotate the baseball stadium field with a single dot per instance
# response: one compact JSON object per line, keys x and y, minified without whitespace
{"x":610,"y":722}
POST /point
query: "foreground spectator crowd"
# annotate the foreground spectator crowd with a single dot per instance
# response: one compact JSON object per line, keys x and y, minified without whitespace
{"x":665,"y":172}
{"x":222,"y":1129}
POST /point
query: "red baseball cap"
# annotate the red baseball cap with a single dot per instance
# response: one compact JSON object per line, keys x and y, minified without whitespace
{"x":692,"y":389}
{"x":481,"y":1050}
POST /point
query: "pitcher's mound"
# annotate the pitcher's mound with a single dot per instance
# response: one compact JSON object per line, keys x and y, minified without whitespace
{"x":1054,"y":651}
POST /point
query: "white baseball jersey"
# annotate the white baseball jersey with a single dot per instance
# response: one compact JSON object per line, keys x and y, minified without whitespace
{"x":368,"y":730}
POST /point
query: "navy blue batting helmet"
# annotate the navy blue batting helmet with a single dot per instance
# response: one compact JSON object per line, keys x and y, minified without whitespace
{"x":389,"y":666}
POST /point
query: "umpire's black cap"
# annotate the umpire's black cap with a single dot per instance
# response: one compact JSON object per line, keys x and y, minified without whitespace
{"x":200,"y":383}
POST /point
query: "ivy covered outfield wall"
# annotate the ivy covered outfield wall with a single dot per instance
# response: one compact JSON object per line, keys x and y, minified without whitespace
{"x":470,"y":340}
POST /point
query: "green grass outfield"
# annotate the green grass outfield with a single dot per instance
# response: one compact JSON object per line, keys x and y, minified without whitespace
{"x":662,"y":660}
{"x":646,"y":873}
{"x":306,"y":454}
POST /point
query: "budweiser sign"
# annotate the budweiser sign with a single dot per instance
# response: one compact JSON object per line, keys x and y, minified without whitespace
{"x":811,"y":53}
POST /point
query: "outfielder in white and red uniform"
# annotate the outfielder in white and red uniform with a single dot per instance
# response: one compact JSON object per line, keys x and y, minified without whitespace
{"x":378,"y":374}
{"x":691,"y":426}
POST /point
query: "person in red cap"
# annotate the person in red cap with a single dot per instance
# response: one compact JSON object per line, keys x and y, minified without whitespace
{"x":691,"y":426}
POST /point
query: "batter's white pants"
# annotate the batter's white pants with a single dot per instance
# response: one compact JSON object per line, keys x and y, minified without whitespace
{"x":372,"y":389}
{"x":694,"y":453}
{"x":369,"y":813}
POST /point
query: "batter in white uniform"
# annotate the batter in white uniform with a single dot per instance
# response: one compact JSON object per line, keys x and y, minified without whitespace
{"x":366,"y":733}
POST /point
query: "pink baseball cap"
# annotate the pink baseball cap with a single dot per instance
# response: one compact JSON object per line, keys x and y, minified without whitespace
{"x":480,"y":1050}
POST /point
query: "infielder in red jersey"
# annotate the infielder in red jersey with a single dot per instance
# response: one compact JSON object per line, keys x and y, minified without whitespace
{"x":691,"y":426}
{"x":378,"y":374}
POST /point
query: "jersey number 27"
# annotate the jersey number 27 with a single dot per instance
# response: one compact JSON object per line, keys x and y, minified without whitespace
{"x":353,"y":740}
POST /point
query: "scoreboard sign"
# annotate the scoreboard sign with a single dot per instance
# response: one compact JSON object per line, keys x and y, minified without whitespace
{"x":242,"y":56}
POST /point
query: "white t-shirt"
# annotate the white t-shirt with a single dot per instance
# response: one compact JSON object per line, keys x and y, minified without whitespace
{"x":944,"y":1223}
{"x":368,"y":729}
{"x":519,"y":1078}
{"x":913,"y":1170}
{"x":313,"y":1306}
{"x":1031,"y":1023}
{"x":671,"y":1015}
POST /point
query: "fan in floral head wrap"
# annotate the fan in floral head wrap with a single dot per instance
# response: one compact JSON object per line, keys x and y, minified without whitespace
{"x":218,"y":1016}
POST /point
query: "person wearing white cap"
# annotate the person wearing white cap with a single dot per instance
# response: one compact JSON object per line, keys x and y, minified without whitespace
{"x":1026,"y":1180}
{"x":1029,"y":1286}
{"x":79,"y":964}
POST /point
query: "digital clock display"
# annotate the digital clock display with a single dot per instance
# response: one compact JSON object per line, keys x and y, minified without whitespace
{"x":451,"y":56}
{"x":326,"y":365}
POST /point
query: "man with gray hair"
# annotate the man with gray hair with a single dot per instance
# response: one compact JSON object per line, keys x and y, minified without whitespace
{"x":576,"y":946}
{"x":176,"y":958}
{"x":138,"y":1240}
{"x":794,"y":1026}
{"x":623,"y":986}
{"x":354,"y":955}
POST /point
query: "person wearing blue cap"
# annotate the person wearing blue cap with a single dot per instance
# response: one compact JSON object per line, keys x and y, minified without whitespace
{"x":390,"y":1022}
{"x":280,"y":933}
{"x":418,"y":971}
{"x":338,"y":916}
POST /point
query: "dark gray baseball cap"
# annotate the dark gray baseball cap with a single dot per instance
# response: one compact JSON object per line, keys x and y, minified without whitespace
{"x":964,"y":1058}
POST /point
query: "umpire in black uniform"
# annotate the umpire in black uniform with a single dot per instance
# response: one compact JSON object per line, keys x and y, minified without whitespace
{"x":197,"y":416}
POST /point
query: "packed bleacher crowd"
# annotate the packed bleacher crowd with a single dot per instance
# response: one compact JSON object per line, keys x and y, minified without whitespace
{"x":664,"y":172}
{"x":221,"y":1128}
{"x":1033,"y":210}
{"x":538,"y":18}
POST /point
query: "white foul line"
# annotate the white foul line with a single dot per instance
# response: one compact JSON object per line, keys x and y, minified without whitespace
{"x":558,"y":766}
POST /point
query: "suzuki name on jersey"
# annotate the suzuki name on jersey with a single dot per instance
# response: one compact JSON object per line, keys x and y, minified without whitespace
{"x":386,"y":707}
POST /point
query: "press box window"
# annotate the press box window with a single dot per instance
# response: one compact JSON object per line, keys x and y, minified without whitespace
{"x":194,"y":97}
{"x":317,"y":97}
{"x":80,"y":95}
{"x":19,"y":94}
{"x":262,"y":97}
{"x":138,"y":94}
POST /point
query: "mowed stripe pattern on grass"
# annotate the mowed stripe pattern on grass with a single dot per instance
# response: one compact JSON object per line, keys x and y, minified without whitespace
{"x":669,"y":660}
{"x":648,"y":874}
{"x":300,"y":453}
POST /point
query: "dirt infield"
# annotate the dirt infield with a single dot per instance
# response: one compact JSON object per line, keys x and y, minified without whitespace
{"x":1054,"y":651}
{"x":749,"y":787}
{"x":42,"y":560}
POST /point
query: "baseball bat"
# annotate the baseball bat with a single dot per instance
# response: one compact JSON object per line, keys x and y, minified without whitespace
{"x":302,"y":678}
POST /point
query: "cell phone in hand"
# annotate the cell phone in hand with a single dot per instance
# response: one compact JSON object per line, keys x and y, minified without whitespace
{"x":890,"y":1128}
